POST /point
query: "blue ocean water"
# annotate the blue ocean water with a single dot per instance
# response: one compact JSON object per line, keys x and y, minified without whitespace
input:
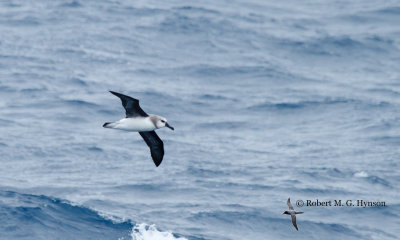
{"x":269,"y":100}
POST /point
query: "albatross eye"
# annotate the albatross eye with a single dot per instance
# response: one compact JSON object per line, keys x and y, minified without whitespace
{"x":162,"y":121}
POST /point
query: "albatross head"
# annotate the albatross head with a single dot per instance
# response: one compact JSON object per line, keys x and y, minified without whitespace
{"x":162,"y":122}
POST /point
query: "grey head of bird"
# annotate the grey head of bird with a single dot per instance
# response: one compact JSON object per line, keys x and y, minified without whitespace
{"x":160,"y":122}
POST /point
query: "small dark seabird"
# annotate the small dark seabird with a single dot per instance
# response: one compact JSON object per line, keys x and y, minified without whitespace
{"x":137,"y":120}
{"x":292,"y":213}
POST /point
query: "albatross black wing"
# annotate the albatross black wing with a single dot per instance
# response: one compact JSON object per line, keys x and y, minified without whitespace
{"x":131,"y":105}
{"x":155,"y":144}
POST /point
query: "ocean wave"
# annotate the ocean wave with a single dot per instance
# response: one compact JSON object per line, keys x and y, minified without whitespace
{"x":323,"y":173}
{"x":127,"y":8}
{"x":222,"y":125}
{"x":214,"y":97}
{"x":145,"y":187}
{"x":7,"y":89}
{"x":377,"y":180}
{"x":79,"y":103}
{"x":26,"y":216}
{"x":78,"y":81}
{"x":392,"y":140}
{"x":328,"y":45}
{"x":6,"y":122}
{"x":72,"y":4}
{"x":24,"y":21}
{"x":144,"y":231}
{"x":180,"y":22}
{"x":206,"y":173}
{"x":227,"y":72}
{"x":301,"y":104}
{"x":339,"y":45}
{"x":193,"y":9}
{"x":95,"y":149}
{"x":389,"y":10}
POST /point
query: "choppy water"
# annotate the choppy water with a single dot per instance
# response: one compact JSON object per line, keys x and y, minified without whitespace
{"x":269,"y":100}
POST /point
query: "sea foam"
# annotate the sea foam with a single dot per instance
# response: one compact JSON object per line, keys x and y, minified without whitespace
{"x":144,"y":231}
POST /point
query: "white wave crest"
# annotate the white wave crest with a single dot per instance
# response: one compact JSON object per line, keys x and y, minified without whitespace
{"x":361,"y":174}
{"x":144,"y":231}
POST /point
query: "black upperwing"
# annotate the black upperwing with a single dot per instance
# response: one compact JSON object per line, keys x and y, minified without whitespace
{"x":131,"y":105}
{"x":155,"y":144}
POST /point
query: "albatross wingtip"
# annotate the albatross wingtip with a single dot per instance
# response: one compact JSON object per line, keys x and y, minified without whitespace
{"x":115,"y":93}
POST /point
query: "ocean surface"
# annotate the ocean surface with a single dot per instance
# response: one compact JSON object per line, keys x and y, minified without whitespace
{"x":269,"y":100}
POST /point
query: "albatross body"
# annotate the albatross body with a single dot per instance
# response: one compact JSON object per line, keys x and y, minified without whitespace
{"x":136,"y":124}
{"x":137,"y":120}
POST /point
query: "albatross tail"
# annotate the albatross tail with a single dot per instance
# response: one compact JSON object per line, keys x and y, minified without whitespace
{"x":109,"y":125}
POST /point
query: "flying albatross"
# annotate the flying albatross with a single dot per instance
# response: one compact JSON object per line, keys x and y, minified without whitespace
{"x":292,"y":213}
{"x":137,"y":120}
